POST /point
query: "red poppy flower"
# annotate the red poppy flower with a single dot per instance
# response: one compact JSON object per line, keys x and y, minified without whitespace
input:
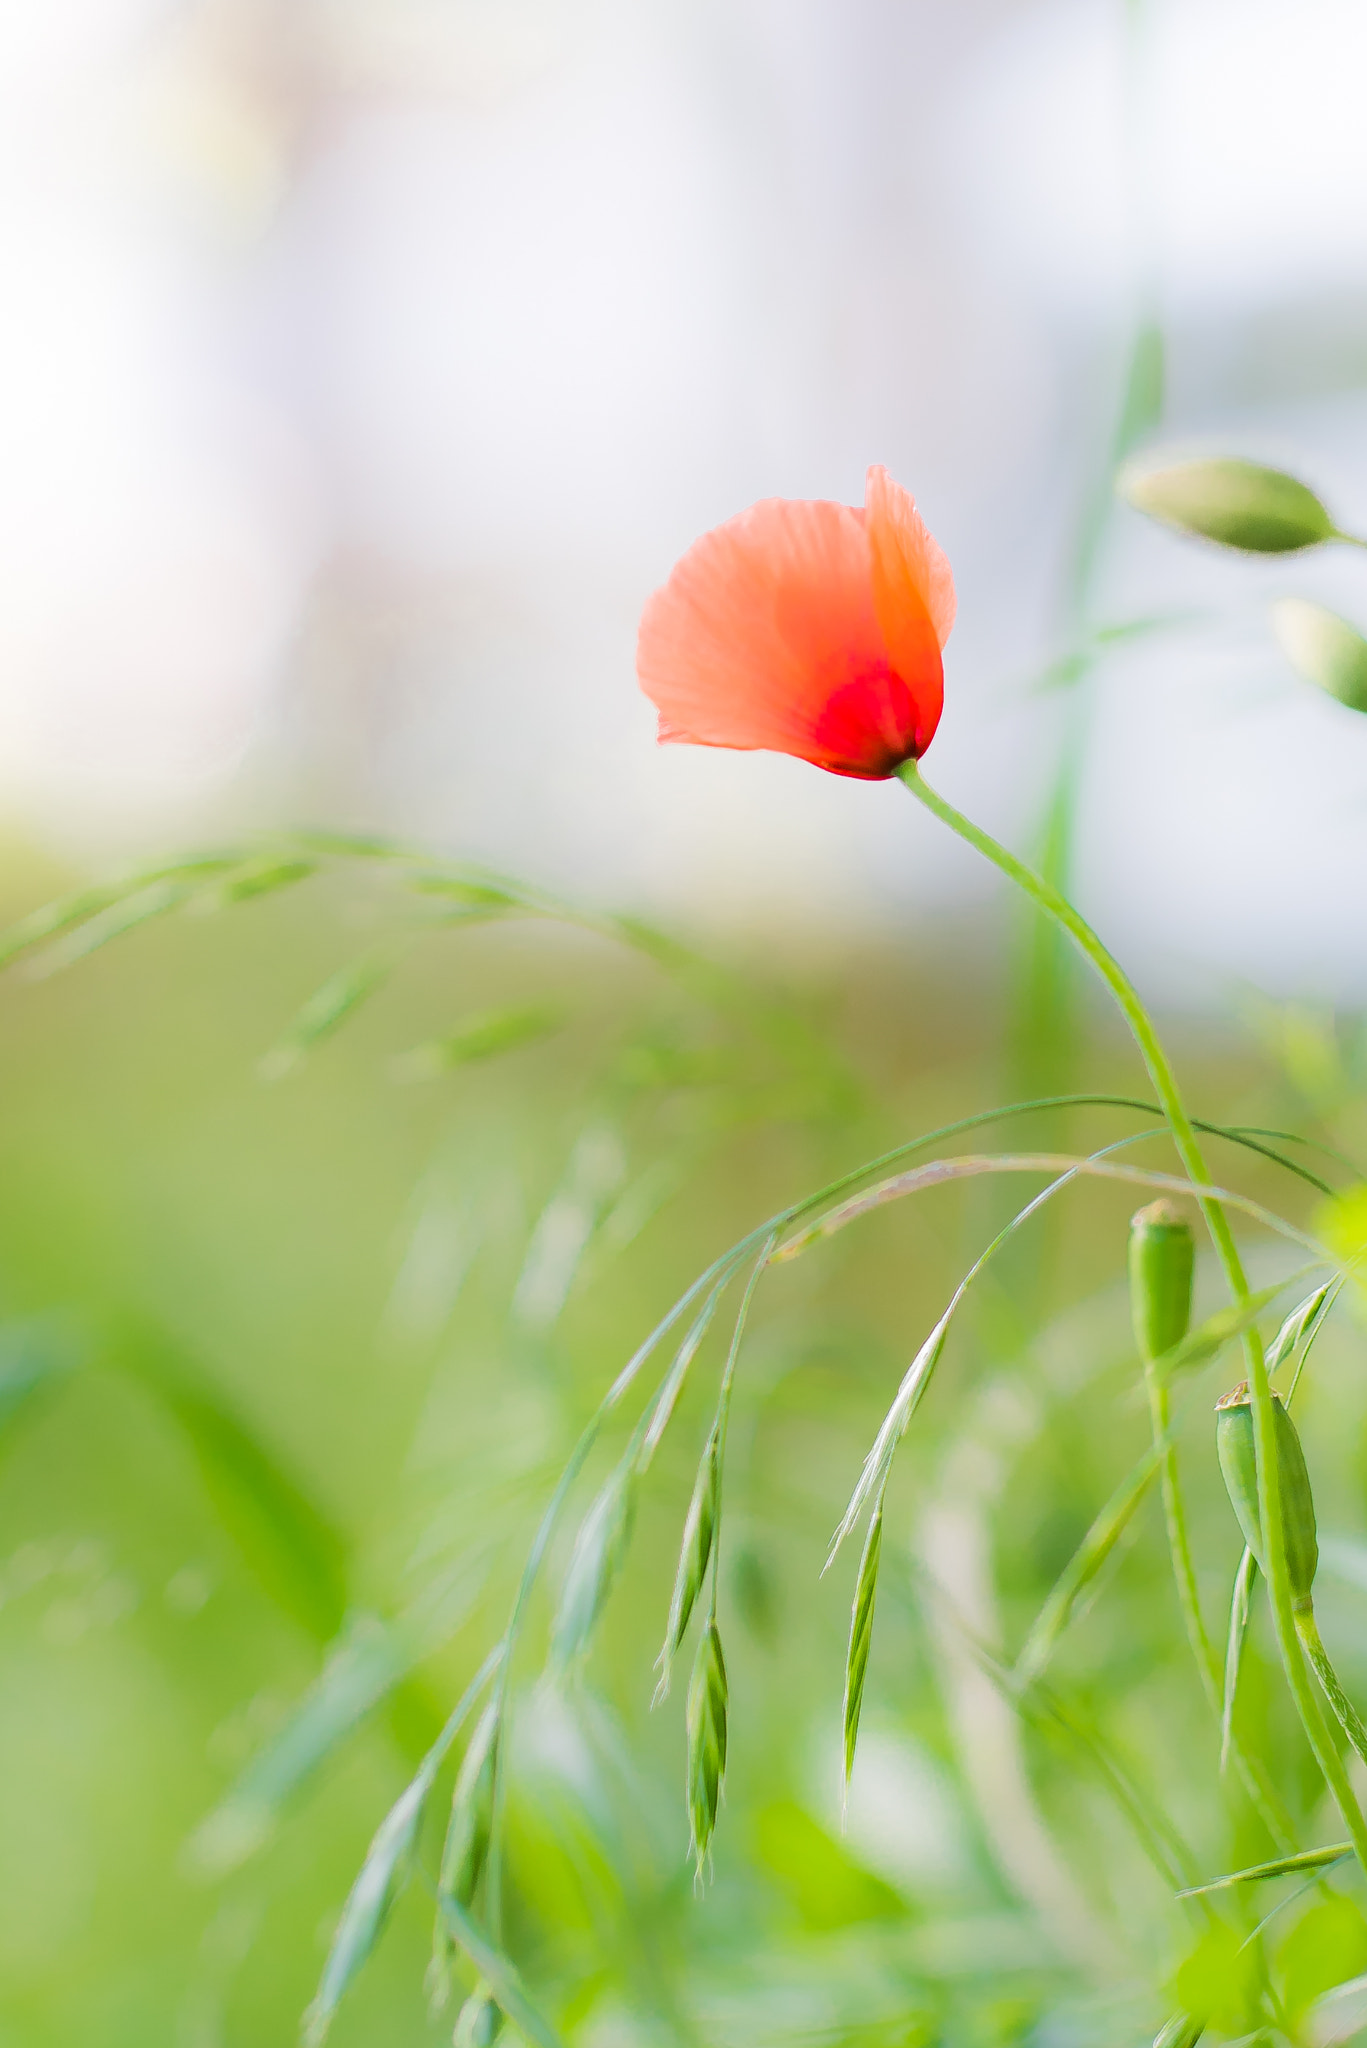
{"x":806,"y":627}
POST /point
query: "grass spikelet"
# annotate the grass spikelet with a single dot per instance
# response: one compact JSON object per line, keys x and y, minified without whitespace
{"x":1283,"y":1866}
{"x":479,"y":1037}
{"x":874,"y":1477}
{"x":466,"y":1848}
{"x":479,"y":2020}
{"x":382,"y":1877}
{"x":694,"y":1555}
{"x":706,"y":1725}
{"x":1303,"y":1322}
{"x":385,"y":1871}
{"x":326,"y":1009}
{"x":1234,"y":1648}
{"x":861,"y":1635}
{"x":599,"y":1549}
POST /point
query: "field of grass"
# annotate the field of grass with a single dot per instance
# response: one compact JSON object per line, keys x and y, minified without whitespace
{"x":288,"y":1371}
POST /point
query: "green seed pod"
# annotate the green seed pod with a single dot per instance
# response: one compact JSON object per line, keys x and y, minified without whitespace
{"x":1239,"y":504}
{"x":1162,"y":1252}
{"x":1323,"y":648}
{"x":1234,"y":1442}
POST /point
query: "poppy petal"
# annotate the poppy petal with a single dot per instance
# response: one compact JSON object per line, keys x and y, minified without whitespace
{"x":913,"y":595}
{"x":762,"y":622}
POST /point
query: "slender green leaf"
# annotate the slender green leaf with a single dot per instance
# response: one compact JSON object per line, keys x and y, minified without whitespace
{"x":387,"y":1867}
{"x":861,"y":1633}
{"x":1282,"y":1866}
{"x":284,"y":1537}
{"x":1085,"y":1563}
{"x":326,"y":1009}
{"x":364,"y":1667}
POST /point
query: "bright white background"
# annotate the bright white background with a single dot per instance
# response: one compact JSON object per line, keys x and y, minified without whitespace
{"x":366,"y":362}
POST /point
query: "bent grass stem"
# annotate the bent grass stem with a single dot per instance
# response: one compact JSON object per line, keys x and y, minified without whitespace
{"x":1056,"y":905}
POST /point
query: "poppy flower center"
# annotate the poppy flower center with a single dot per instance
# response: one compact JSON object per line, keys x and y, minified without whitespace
{"x":867,"y":725}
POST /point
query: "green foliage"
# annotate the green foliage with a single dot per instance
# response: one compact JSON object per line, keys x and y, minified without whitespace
{"x":826,"y":1887}
{"x":1327,"y":1945}
{"x":1219,"y":1984}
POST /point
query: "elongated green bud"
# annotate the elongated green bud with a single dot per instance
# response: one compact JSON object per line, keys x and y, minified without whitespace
{"x":1323,"y":648}
{"x":1239,"y":504}
{"x":1234,"y":1442}
{"x":1162,"y":1252}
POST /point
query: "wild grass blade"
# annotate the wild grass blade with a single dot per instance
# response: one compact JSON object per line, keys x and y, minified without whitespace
{"x":362,"y":1669}
{"x":284,"y":1537}
{"x":1084,"y":1565}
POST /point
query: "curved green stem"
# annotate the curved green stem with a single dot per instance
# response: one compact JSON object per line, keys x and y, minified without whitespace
{"x":1348,"y":1716}
{"x":1127,"y":999}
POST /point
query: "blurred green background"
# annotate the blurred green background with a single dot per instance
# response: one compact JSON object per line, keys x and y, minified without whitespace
{"x":288,"y":1369}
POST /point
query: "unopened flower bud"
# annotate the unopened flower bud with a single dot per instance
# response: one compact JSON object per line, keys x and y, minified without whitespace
{"x":1161,"y":1257}
{"x":1239,"y":504}
{"x":1323,"y":648}
{"x":1234,"y":1443}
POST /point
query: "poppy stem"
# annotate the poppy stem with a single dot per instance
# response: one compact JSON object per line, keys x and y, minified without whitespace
{"x":1056,"y":905}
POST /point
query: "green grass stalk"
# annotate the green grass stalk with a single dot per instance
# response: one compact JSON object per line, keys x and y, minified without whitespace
{"x":1127,"y":999}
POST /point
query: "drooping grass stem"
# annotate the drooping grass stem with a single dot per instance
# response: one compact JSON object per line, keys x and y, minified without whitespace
{"x":1055,"y":905}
